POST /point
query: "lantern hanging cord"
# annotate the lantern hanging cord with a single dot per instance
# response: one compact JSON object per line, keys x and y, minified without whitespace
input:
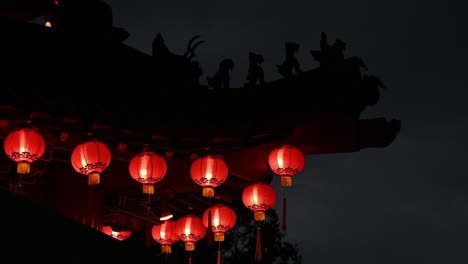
{"x":20,"y":183}
{"x":283,"y":224}
{"x":219,"y":253}
{"x":148,"y":205}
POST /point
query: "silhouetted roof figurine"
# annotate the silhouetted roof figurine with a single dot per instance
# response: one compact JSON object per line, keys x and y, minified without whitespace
{"x":329,"y":55}
{"x":290,"y":65}
{"x":221,"y":79}
{"x":178,"y":67}
{"x":255,"y":73}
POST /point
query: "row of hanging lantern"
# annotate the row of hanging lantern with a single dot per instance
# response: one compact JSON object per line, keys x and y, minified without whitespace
{"x":91,"y":158}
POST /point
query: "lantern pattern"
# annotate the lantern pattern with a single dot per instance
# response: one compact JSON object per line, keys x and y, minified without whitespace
{"x":209,"y":172}
{"x":223,"y":219}
{"x":165,"y":235}
{"x":90,"y":159}
{"x":190,"y":229}
{"x":119,"y":235}
{"x":148,"y":168}
{"x":259,"y":197}
{"x":24,"y":146}
{"x":286,"y":161}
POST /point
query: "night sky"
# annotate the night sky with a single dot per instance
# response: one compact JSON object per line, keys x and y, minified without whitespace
{"x":407,"y":203}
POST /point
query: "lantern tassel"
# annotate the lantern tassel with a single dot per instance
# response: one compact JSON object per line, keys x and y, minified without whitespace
{"x":258,"y":249}
{"x":283,"y":225}
{"x":209,"y":237}
{"x":190,"y":258}
{"x":219,"y":253}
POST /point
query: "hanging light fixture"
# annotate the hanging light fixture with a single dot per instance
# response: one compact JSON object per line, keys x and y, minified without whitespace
{"x":190,"y":229}
{"x":259,"y":197}
{"x":209,"y":172}
{"x":286,"y":161}
{"x":24,"y":146}
{"x":165,"y":235}
{"x":223,"y":219}
{"x":148,"y":168}
{"x":90,"y":159}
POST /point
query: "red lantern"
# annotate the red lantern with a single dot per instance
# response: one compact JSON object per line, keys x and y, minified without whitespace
{"x":24,"y":146}
{"x":223,"y":219}
{"x":220,"y":219}
{"x":286,"y":161}
{"x":190,"y":229}
{"x":209,"y":172}
{"x":90,"y":159}
{"x":122,"y":235}
{"x":165,"y":235}
{"x":259,"y":197}
{"x":148,"y":168}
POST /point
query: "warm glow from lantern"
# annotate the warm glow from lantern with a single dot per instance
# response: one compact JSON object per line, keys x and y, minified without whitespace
{"x":24,"y":146}
{"x":90,"y":159}
{"x":209,"y":172}
{"x":162,"y":234}
{"x":259,"y":197}
{"x":286,"y":161}
{"x":48,"y":24}
{"x":147,"y":168}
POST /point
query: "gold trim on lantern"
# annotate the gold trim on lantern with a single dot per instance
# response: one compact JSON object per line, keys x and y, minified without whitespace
{"x":94,"y":178}
{"x":189,"y":246}
{"x":208,"y":192}
{"x":166,"y":249}
{"x":286,"y":181}
{"x":259,"y":215}
{"x":148,"y":188}
{"x":23,"y":167}
{"x":218,"y":236}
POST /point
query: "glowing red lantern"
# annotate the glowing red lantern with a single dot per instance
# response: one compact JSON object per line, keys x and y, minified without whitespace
{"x":24,"y":146}
{"x":259,"y":197}
{"x":286,"y":161}
{"x":165,"y":235}
{"x":190,"y":229}
{"x":148,"y":168}
{"x":209,"y":172}
{"x":223,"y":219}
{"x":90,"y":159}
{"x":122,"y":235}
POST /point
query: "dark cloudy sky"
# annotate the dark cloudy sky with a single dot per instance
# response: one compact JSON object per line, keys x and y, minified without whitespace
{"x":407,"y":203}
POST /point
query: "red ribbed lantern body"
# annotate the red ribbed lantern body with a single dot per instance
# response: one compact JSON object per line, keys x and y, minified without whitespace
{"x":24,"y":146}
{"x":223,"y":218}
{"x":259,"y":197}
{"x":190,"y":229}
{"x":90,"y":159}
{"x":165,"y":235}
{"x":286,"y":161}
{"x":122,"y":235}
{"x":209,"y":172}
{"x":148,"y":168}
